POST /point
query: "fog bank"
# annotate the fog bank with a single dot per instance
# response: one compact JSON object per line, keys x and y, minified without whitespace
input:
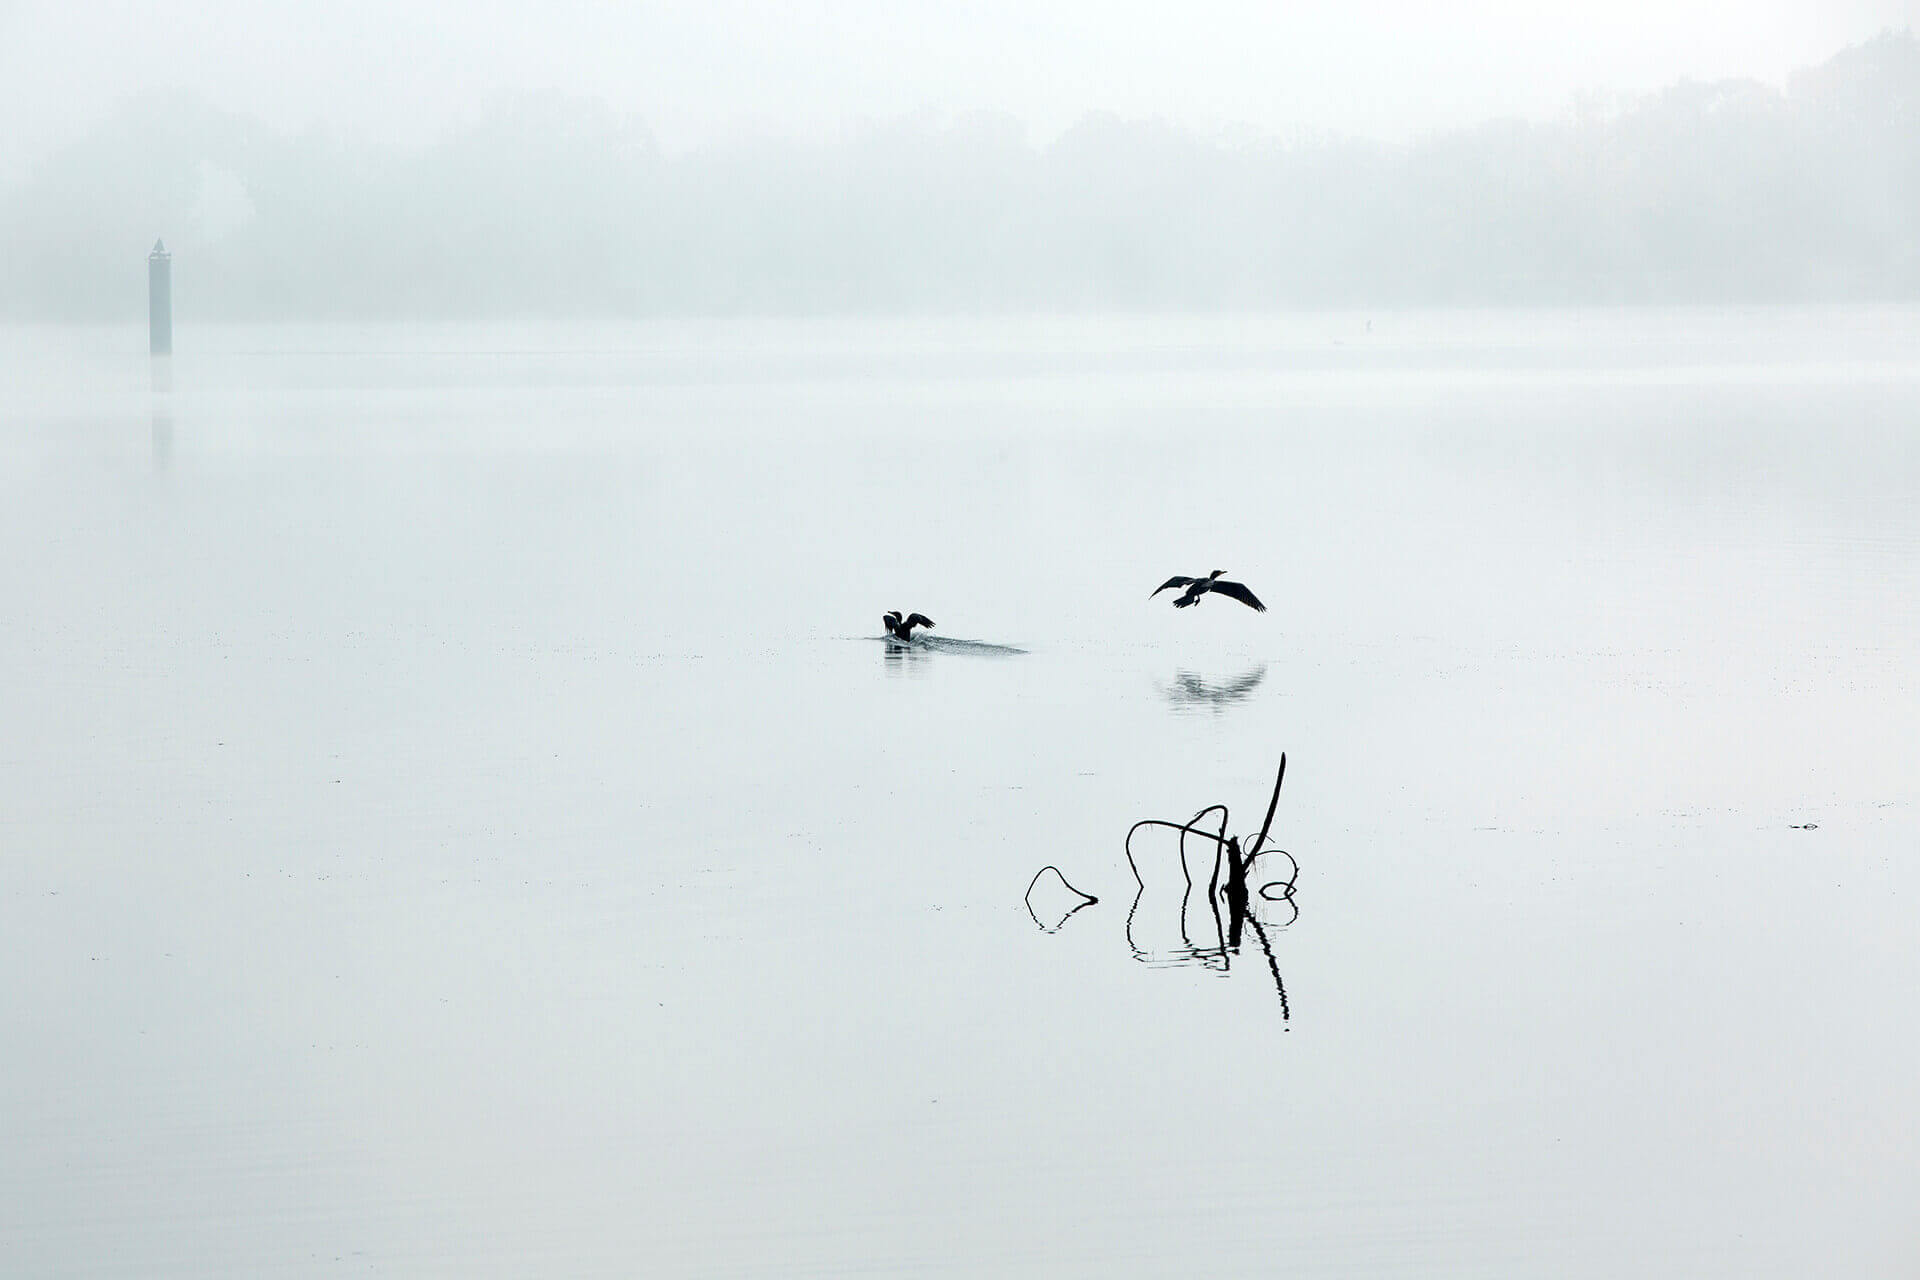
{"x":551,"y":204}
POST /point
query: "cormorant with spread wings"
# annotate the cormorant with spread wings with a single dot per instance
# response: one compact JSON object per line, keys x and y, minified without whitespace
{"x":902,"y":628}
{"x":1197,"y":587}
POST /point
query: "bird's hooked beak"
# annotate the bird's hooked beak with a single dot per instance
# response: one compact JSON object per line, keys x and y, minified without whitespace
{"x":1216,"y":573}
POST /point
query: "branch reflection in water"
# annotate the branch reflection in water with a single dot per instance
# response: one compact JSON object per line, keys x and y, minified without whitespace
{"x":1051,"y":898}
{"x":1198,"y":926}
{"x":1192,"y":692}
{"x":1205,"y":935}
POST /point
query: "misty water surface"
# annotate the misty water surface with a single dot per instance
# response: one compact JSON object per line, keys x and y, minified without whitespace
{"x":460,"y":818}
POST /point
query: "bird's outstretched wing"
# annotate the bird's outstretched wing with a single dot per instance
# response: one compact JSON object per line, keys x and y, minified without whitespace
{"x":1244,"y":685}
{"x":1170,"y":582}
{"x":1238,"y":590}
{"x":919,"y":620}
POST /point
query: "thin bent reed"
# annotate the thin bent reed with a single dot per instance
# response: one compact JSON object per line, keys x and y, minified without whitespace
{"x":1241,"y":859}
{"x":1086,"y":899}
{"x":1063,"y":880}
{"x":1253,"y":849}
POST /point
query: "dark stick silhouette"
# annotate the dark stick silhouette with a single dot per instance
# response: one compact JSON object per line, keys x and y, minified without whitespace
{"x":1237,"y":860}
{"x":1082,"y":899}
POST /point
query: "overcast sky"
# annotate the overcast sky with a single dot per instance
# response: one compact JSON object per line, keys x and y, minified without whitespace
{"x":700,"y":70}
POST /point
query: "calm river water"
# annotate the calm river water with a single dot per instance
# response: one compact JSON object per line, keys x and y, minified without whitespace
{"x":458,"y":816}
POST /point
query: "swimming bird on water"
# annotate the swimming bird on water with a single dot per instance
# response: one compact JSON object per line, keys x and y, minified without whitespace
{"x":902,"y":628}
{"x":1197,"y":587}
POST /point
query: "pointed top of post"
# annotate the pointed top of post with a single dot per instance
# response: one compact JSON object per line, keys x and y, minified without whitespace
{"x":159,"y":250}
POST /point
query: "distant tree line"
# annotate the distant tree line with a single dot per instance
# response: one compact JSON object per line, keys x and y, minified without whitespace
{"x":1731,"y":191}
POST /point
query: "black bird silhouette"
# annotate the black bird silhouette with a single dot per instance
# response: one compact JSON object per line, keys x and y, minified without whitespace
{"x":1197,"y":587}
{"x":902,"y":629}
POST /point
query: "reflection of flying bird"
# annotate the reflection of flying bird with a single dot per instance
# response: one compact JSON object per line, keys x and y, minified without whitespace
{"x":902,"y":629}
{"x":1191,"y":689}
{"x":1197,"y":587}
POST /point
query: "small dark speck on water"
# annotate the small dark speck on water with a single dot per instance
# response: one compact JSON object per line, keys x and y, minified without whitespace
{"x":1806,"y":826}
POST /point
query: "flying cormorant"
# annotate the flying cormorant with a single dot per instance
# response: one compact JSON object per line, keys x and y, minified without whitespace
{"x":1197,"y":587}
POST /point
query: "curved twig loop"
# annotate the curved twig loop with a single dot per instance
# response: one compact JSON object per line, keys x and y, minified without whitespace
{"x":1063,"y":880}
{"x":1171,"y":826}
{"x":1085,"y":899}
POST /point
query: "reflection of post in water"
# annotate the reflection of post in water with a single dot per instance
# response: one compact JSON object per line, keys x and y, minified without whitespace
{"x":162,"y":411}
{"x":162,"y":434}
{"x":160,"y":349}
{"x":1236,"y":860}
